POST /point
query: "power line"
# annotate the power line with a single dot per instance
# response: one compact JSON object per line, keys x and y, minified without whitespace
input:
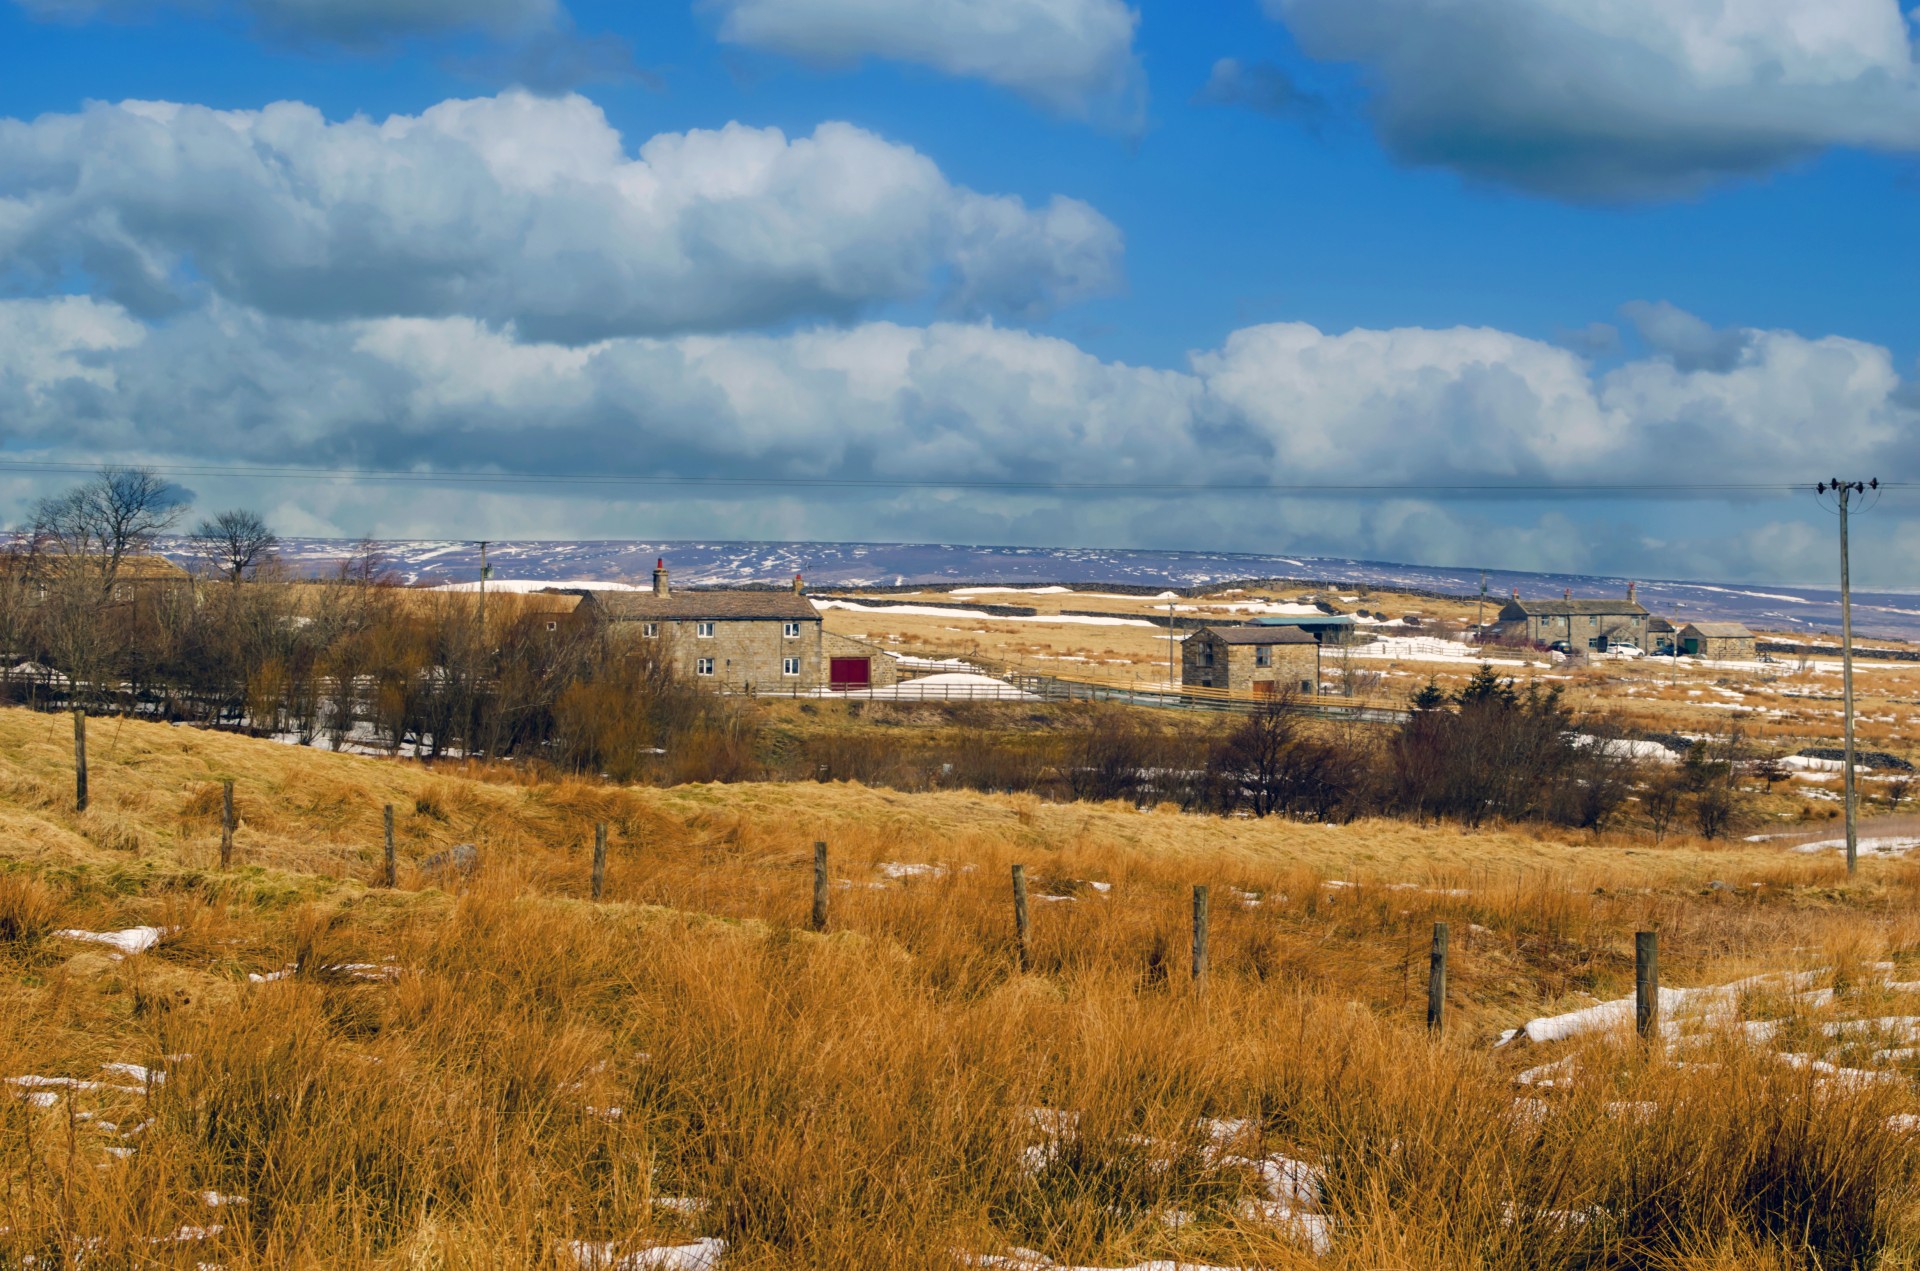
{"x":307,"y":472}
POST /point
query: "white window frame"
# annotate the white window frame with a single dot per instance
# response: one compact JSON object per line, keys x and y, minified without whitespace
{"x":791,"y":631}
{"x":789,"y":666}
{"x":703,"y":630}
{"x":650,"y":630}
{"x":1263,"y":655}
{"x":703,"y":666}
{"x":553,"y":626}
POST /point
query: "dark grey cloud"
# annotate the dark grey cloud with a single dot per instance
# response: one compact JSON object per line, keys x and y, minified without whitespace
{"x":1596,"y":339}
{"x":1690,"y":341}
{"x":552,"y":63}
{"x":1261,"y":87}
{"x":354,"y":24}
{"x":1075,"y":57}
{"x":1625,"y":100}
{"x":524,"y":211}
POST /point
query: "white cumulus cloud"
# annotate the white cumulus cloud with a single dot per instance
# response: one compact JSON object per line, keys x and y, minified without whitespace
{"x":1074,"y":56}
{"x":1285,"y":404}
{"x":1622,"y":99}
{"x":521,"y":210}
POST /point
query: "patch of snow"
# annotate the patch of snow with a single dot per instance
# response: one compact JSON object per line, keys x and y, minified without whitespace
{"x":911,"y":869}
{"x":1868,"y":846}
{"x":700,"y":1255}
{"x":131,"y":940}
{"x":951,"y":686}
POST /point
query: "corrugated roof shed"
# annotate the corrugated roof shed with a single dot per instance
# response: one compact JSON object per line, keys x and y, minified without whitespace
{"x":1304,"y":620}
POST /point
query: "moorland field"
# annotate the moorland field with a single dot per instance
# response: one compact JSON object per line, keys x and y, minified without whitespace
{"x":483,"y":1066}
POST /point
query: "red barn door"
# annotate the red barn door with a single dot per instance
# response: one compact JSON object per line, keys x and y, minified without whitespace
{"x":849,"y":672}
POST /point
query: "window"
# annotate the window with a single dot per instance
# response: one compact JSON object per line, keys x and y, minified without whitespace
{"x":704,"y":630}
{"x":1263,"y":655}
{"x":650,"y":629}
{"x":553,"y":626}
{"x":789,"y":666}
{"x":791,"y":630}
{"x":703,"y":666}
{"x":1206,"y":656}
{"x":1306,"y":686}
{"x":123,"y":592}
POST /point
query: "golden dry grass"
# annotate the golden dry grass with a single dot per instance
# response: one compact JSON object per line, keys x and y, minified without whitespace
{"x":864,"y":1099}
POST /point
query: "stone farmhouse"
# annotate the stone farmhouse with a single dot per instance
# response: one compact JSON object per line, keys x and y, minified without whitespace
{"x":136,"y":578}
{"x":746,"y":641}
{"x":1583,"y":623}
{"x":1717,"y":641}
{"x":1261,"y":661}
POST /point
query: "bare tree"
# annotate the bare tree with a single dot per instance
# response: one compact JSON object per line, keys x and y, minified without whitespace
{"x":114,"y":514}
{"x":235,"y":542}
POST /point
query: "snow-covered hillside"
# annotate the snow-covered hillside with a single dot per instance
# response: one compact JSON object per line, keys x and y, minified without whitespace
{"x":711,"y":563}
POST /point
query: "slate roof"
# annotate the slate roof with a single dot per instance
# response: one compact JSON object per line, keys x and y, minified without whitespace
{"x":1576,"y":608}
{"x":1259,"y":635}
{"x":706,"y":606}
{"x":1718,"y":630}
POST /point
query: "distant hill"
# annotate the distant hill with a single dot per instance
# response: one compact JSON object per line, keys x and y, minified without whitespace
{"x":708,"y":563}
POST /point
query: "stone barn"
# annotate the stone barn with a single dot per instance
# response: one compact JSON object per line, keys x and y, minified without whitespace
{"x":1717,"y":641}
{"x":1260,"y":661}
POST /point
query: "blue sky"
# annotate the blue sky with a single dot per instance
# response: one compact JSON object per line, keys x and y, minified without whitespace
{"x":1298,"y":241}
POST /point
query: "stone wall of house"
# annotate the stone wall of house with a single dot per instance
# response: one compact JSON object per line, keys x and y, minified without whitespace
{"x":1294,"y":667}
{"x":745,"y":651}
{"x":1203,"y":662}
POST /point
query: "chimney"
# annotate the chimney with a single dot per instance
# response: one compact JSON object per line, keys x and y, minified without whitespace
{"x":799,"y":586}
{"x":1567,"y":594}
{"x":661,"y":587}
{"x":1516,"y":593}
{"x":1631,"y":588}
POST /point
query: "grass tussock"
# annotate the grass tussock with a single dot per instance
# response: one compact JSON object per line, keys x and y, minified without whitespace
{"x":479,"y":1069}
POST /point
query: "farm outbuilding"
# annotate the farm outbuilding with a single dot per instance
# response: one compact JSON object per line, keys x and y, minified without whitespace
{"x":1262,"y":661}
{"x":1717,"y":641}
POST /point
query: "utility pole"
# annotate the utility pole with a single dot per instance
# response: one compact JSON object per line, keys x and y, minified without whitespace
{"x":1173,"y":681}
{"x":1480,"y":611}
{"x":1843,"y":492}
{"x":485,"y":570}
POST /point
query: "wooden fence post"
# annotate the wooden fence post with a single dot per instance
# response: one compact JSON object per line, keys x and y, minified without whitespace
{"x":226,"y":824}
{"x":819,"y":886}
{"x":1646,"y":983}
{"x":1437,"y":980}
{"x":599,"y":859}
{"x":1020,"y":924}
{"x":1200,"y":937}
{"x":80,"y":761}
{"x":392,"y":874}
